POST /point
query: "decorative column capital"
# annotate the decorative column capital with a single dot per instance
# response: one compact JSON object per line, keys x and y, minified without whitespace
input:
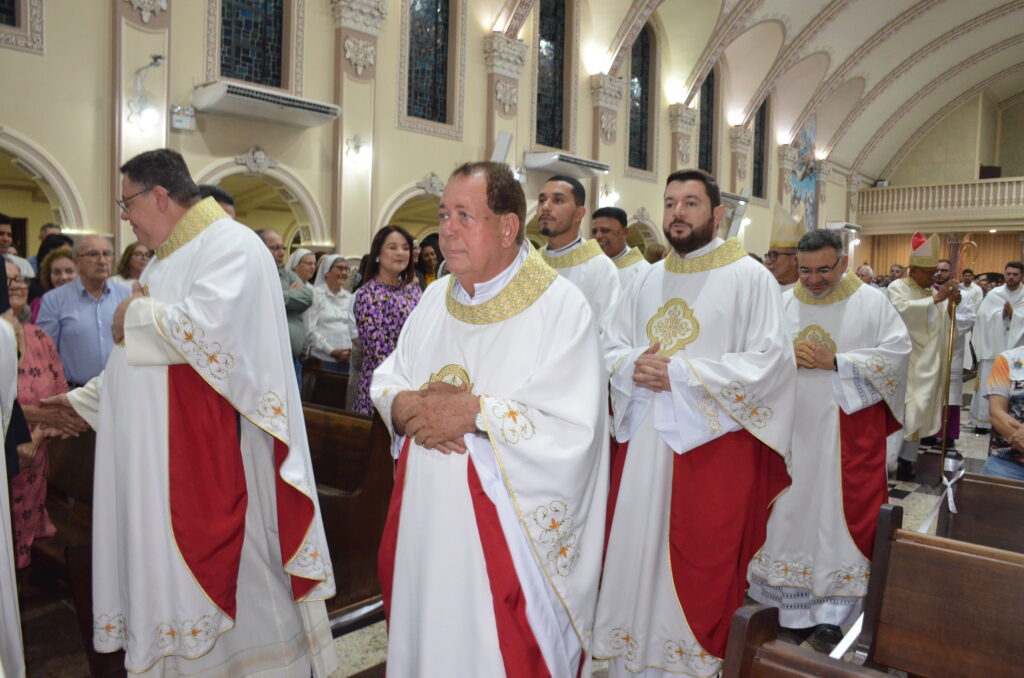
{"x":504,"y":56}
{"x":741,"y":139}
{"x":682,"y":119}
{"x":787,"y":157}
{"x":607,"y":91}
{"x":822,"y":169}
{"x":365,"y":16}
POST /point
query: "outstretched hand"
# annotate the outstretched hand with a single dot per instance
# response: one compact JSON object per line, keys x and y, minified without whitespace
{"x":59,"y":418}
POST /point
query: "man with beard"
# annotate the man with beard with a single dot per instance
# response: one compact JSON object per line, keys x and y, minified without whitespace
{"x":702,"y":390}
{"x":609,"y":227}
{"x":965,"y":317}
{"x":852,"y":352}
{"x":561,"y":207}
{"x":1000,"y":327}
{"x":781,"y":256}
{"x":925,"y":312}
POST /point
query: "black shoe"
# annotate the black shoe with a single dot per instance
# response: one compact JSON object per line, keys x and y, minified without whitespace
{"x":981,"y":431}
{"x":828,"y":634}
{"x":905,"y":470}
{"x":930,"y":441}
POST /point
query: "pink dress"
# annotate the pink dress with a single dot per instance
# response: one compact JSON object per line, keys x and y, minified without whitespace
{"x":40,"y":375}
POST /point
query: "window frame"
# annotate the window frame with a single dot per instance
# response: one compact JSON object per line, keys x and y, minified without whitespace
{"x":291,"y":47}
{"x":715,"y":75}
{"x":456,"y":76}
{"x":765,"y":151}
{"x":27,"y":33}
{"x":655,"y":107}
{"x":570,"y":89}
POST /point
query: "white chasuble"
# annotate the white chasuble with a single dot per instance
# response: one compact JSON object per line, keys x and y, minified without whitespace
{"x":630,"y":263}
{"x":816,"y":559}
{"x":928,"y":324}
{"x":12,"y":659}
{"x":966,"y":316}
{"x":209,"y":556}
{"x":697,"y":467}
{"x":586,"y":267}
{"x":993,"y":334}
{"x":490,"y":560}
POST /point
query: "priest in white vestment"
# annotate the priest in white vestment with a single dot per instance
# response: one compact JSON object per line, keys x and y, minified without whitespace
{"x":966,"y":315}
{"x":852,"y":352}
{"x":12,"y":659}
{"x":702,"y":390}
{"x":610,"y":228}
{"x":925,"y":312}
{"x":561,"y":207}
{"x":209,"y":556}
{"x":972,"y":290}
{"x":781,"y":256}
{"x":1000,"y":327}
{"x":497,"y":402}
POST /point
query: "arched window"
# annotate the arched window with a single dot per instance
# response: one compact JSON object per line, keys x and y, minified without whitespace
{"x":706,"y":140}
{"x":427,"y":84}
{"x":759,"y":187}
{"x":551,"y":60}
{"x":641,"y":73}
{"x":252,"y":41}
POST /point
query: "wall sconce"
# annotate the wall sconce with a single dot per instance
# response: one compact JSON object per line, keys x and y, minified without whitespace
{"x":608,"y":197}
{"x":357,"y":149}
{"x":139,"y":110}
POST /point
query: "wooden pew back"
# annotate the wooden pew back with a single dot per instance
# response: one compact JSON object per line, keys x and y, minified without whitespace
{"x":324,"y":388}
{"x":754,"y":651}
{"x":939,"y":607}
{"x":988,"y":513}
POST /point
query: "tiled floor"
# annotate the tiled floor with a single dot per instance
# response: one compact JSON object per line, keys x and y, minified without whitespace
{"x":54,"y":650}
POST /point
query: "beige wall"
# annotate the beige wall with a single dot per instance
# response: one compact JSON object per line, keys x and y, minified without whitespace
{"x":988,"y":125}
{"x":947,"y":153}
{"x":1011,"y":140}
{"x":30,"y":205}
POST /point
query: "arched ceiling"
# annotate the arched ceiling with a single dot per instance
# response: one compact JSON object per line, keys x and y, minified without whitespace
{"x":894,"y":68}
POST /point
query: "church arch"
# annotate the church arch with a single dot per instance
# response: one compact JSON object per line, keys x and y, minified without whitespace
{"x":65,"y":201}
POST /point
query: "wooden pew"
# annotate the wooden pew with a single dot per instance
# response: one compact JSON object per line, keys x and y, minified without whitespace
{"x":939,"y":607}
{"x":320,"y":387}
{"x":989,"y":510}
{"x":354,"y":473}
{"x":754,"y":651}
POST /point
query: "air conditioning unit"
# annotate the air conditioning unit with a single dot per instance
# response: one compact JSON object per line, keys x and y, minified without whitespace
{"x":244,"y":101}
{"x":563,"y":163}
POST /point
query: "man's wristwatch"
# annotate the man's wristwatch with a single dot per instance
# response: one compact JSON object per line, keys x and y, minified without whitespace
{"x":481,"y":424}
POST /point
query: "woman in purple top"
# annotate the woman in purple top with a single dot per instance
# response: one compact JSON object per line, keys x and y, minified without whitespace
{"x":385,"y":298}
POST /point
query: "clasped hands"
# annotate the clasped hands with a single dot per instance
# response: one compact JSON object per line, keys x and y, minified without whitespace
{"x":436,"y":417}
{"x":58,"y":419}
{"x":812,"y":355}
{"x":650,"y":370}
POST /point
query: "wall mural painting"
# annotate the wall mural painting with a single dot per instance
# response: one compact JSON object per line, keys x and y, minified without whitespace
{"x":804,"y":178}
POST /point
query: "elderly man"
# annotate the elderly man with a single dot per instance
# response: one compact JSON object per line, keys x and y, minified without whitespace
{"x":561,"y":207}
{"x":78,"y":316}
{"x":609,"y":227}
{"x":492,"y":550}
{"x":781,"y":256}
{"x":866,"y":275}
{"x":926,"y":313}
{"x":852,"y":352}
{"x":1000,"y":327}
{"x":896,"y":271}
{"x":702,"y":391}
{"x":966,"y":315}
{"x":297,"y":297}
{"x":207,"y":540}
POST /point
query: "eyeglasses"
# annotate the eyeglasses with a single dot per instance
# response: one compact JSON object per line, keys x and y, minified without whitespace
{"x":123,"y":202}
{"x":772,"y":256}
{"x":98,"y":254}
{"x":20,"y":280}
{"x":823,"y":270}
{"x":142,"y":255}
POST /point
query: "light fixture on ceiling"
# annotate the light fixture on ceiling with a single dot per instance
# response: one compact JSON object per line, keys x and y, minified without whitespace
{"x":140,"y":111}
{"x":992,"y":230}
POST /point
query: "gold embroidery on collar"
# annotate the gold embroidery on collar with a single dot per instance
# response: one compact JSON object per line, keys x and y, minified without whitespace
{"x":585,"y":252}
{"x":723,"y":255}
{"x":195,"y":221}
{"x":526,"y":287}
{"x":629,"y":258}
{"x":817,"y":334}
{"x":846,"y":287}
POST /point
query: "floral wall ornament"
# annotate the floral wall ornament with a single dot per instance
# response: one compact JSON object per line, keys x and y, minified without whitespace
{"x":507,"y":95}
{"x":256,"y":160}
{"x":431,"y":185}
{"x":609,"y":123}
{"x":360,"y":53}
{"x":148,"y":8}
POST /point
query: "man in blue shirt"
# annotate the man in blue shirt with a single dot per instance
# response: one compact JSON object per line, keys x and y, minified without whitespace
{"x":78,"y":315}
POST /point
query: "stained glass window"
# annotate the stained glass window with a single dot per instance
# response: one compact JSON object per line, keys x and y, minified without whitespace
{"x":551,"y":74}
{"x":252,"y":41}
{"x":705,"y":144}
{"x":760,"y":185}
{"x":428,"y":60}
{"x":9,"y":12}
{"x":640,"y":100}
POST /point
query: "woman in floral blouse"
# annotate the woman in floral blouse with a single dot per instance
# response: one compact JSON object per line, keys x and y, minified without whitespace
{"x":385,"y":298}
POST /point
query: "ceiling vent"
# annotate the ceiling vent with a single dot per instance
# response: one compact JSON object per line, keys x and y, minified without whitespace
{"x":244,"y":101}
{"x":563,"y":163}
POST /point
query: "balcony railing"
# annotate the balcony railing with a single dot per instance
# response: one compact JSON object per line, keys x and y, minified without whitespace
{"x":974,"y":203}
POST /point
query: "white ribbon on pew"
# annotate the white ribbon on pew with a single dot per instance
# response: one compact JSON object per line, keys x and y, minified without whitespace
{"x":851,"y":636}
{"x":956,"y":465}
